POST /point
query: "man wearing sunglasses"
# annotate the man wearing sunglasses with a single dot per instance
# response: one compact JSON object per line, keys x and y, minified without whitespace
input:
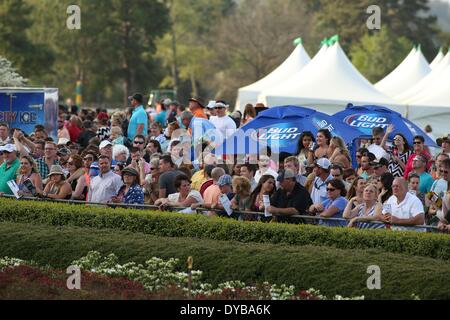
{"x":224,"y":124}
{"x":419,"y":149}
{"x":319,"y":187}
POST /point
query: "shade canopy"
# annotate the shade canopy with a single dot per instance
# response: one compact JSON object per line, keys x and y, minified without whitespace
{"x":280,"y":128}
{"x":328,"y":83}
{"x":295,"y":62}
{"x":365,"y":118}
{"x":413,"y":69}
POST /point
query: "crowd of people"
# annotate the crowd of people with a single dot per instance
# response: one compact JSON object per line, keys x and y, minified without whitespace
{"x":137,"y":157}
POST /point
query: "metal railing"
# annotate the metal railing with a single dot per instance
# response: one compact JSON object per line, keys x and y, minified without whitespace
{"x":200,"y":210}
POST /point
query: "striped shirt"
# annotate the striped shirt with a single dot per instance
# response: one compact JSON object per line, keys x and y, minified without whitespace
{"x":370,"y":213}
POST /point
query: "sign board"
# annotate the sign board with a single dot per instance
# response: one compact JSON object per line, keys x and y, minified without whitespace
{"x":24,"y":108}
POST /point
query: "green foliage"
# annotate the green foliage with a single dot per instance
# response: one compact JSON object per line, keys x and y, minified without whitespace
{"x":409,"y":19}
{"x":29,"y":56}
{"x":197,"y":226}
{"x":112,"y":53}
{"x":334,"y":271}
{"x":377,"y":55}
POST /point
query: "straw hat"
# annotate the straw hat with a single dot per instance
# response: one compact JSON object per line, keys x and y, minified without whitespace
{"x":56,"y":169}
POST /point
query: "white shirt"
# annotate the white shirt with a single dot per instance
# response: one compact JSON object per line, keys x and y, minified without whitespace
{"x":225,"y":125}
{"x":104,"y":187}
{"x":268,"y":171}
{"x":319,"y":190}
{"x":174,"y":197}
{"x":410,"y":207}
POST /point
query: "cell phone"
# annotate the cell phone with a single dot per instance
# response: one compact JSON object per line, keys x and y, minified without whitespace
{"x":312,"y":146}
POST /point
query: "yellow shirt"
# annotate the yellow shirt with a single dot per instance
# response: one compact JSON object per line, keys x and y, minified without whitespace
{"x":198,"y":179}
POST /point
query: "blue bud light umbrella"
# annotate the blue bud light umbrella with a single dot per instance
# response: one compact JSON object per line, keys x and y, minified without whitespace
{"x":365,"y":118}
{"x":280,"y":128}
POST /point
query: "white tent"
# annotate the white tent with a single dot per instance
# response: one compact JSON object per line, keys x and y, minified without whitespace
{"x":424,"y":85}
{"x":433,"y":107}
{"x":413,"y":69}
{"x":328,"y":86}
{"x":295,"y":62}
{"x":438,"y":59}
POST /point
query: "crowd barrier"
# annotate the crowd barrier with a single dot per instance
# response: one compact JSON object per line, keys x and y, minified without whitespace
{"x":200,"y":210}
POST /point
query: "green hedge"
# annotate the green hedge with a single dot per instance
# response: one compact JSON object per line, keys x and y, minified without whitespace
{"x":333,"y":271}
{"x":197,"y":226}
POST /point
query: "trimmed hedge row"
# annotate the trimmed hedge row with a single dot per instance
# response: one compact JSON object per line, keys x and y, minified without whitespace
{"x":333,"y":271}
{"x":197,"y":226}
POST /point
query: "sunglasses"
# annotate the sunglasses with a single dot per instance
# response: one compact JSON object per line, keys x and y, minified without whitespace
{"x":359,"y":156}
{"x":417,"y":142}
{"x":138,"y":142}
{"x":331,"y":189}
{"x":219,"y":108}
{"x":444,"y":171}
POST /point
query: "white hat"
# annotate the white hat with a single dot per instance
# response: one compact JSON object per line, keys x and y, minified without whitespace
{"x":211,"y":104}
{"x":8,"y":148}
{"x":323,"y":163}
{"x":63,"y":140}
{"x":105,"y":143}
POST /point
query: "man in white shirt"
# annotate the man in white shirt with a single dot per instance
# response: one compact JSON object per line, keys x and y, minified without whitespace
{"x":223,"y":123}
{"x":106,"y":185}
{"x":403,"y":209}
{"x":319,"y":187}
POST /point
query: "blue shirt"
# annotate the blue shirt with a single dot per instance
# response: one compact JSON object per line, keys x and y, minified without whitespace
{"x":161,"y":118}
{"x":339,"y":203}
{"x":426,"y":182}
{"x":139,"y":117}
{"x":135,"y":195}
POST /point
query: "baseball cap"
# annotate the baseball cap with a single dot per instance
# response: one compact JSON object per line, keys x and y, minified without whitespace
{"x":63,"y":152}
{"x":286,"y":174}
{"x":380,"y":163}
{"x":137,"y":97}
{"x":420,"y":158}
{"x":323,"y":163}
{"x":63,"y":141}
{"x":8,"y":148}
{"x":211,"y":104}
{"x":167,"y":102}
{"x":105,"y":143}
{"x":224,"y":180}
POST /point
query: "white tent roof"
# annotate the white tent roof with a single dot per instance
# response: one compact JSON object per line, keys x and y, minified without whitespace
{"x":436,"y":60}
{"x":434,"y":107}
{"x":413,"y":69}
{"x":295,"y":62}
{"x":425,"y":84}
{"x":328,"y":85}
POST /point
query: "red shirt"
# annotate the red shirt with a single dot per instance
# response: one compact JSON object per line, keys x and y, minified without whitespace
{"x":74,"y":132}
{"x":409,"y":164}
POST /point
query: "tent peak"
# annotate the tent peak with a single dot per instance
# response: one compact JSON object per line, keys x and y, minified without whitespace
{"x":298,"y":41}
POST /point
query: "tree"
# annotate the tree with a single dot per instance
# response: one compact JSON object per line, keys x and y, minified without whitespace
{"x":8,"y":75}
{"x":112,"y":53}
{"x":254,"y":40}
{"x":377,"y":55}
{"x":409,"y":19}
{"x":31,"y":58}
{"x":187,"y":47}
